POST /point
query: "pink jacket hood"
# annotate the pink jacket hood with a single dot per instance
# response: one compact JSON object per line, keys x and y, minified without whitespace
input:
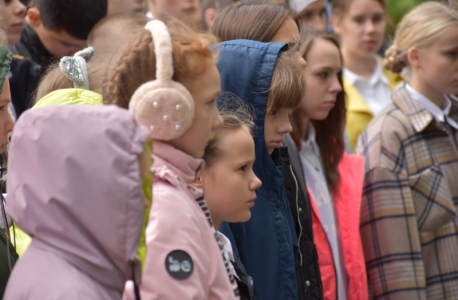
{"x":74,"y":185}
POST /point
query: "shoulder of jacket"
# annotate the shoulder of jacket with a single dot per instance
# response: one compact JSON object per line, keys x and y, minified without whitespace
{"x":384,"y":137}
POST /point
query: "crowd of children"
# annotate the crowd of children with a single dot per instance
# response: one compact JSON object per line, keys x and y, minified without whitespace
{"x":221,"y":149}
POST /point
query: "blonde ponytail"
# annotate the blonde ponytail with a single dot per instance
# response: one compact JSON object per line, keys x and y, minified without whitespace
{"x":394,"y":61}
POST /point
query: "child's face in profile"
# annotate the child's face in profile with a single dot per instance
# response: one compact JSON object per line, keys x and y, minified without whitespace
{"x":436,"y":65}
{"x":276,"y":125}
{"x":6,"y":122}
{"x":230,"y":184}
{"x":322,"y":77}
{"x":205,"y":89}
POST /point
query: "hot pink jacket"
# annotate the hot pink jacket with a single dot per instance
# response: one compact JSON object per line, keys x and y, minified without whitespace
{"x":178,"y":223}
{"x":74,"y":185}
{"x":348,"y":206}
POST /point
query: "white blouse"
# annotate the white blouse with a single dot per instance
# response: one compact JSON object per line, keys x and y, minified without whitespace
{"x":316,"y":181}
{"x":375,"y":91}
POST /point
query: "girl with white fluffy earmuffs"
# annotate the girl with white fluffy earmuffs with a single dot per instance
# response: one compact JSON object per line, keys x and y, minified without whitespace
{"x":168,"y":79}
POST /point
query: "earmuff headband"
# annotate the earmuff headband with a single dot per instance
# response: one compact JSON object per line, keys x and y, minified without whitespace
{"x":163,"y":50}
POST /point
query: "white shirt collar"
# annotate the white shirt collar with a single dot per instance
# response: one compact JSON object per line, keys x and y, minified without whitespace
{"x":376,"y":76}
{"x":228,"y":252}
{"x":227,"y":246}
{"x":310,"y":143}
{"x":441,"y":114}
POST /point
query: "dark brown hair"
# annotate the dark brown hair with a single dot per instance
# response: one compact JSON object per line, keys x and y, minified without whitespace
{"x":340,"y":7}
{"x":135,"y":64}
{"x":330,"y":131}
{"x":253,"y":20}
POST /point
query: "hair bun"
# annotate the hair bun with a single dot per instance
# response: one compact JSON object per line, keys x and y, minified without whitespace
{"x":394,"y":61}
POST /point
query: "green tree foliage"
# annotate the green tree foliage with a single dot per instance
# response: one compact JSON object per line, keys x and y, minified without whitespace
{"x":396,"y":10}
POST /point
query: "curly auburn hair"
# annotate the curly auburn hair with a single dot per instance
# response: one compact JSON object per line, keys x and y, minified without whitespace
{"x":135,"y":62}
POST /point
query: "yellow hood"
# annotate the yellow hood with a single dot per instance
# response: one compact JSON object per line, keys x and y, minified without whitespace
{"x":70,"y":96}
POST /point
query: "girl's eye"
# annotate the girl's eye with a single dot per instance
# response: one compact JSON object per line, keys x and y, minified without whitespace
{"x":359,"y":20}
{"x":322,"y":75}
{"x":242,"y":168}
{"x":453,"y":54}
{"x":307,"y":16}
{"x":377,"y":19}
{"x":2,"y":108}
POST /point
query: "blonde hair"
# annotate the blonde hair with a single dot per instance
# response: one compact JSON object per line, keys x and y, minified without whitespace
{"x":54,"y":79}
{"x":419,"y":28}
{"x":287,"y":87}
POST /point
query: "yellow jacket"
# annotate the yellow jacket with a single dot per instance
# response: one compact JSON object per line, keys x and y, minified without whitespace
{"x":358,"y":113}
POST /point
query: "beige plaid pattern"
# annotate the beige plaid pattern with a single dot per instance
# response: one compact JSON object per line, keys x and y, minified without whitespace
{"x":409,"y":222}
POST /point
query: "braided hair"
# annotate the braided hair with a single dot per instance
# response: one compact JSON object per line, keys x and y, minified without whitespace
{"x":135,"y":62}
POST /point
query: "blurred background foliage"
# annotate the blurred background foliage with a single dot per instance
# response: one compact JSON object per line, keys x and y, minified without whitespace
{"x":397,"y":9}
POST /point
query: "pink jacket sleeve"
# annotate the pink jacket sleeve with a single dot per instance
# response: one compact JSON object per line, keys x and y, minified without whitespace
{"x":174,"y":226}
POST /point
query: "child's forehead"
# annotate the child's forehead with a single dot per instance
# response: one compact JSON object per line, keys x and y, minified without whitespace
{"x":237,"y":144}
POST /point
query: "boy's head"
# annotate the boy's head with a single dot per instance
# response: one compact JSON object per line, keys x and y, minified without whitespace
{"x":188,"y":11}
{"x":64,"y":25}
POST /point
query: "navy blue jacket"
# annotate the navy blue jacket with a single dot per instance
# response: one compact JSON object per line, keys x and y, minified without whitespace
{"x":267,"y":243}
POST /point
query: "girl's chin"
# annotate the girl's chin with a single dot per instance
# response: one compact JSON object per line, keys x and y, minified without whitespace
{"x":320,"y":116}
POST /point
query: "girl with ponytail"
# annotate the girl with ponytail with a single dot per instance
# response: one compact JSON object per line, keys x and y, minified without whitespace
{"x":409,"y":207}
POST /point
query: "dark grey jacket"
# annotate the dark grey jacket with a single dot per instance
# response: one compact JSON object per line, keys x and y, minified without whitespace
{"x":307,"y":268}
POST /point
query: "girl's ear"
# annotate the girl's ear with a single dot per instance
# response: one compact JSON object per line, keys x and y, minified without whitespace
{"x":199,"y":181}
{"x":335,"y":22}
{"x":413,"y":57}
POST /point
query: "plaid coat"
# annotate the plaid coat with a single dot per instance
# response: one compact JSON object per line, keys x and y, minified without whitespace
{"x":409,"y":222}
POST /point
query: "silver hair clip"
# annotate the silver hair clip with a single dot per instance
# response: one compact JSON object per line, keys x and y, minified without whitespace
{"x":75,"y":68}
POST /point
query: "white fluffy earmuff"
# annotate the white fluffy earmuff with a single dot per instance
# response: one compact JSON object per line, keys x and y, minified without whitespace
{"x":165,"y":106}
